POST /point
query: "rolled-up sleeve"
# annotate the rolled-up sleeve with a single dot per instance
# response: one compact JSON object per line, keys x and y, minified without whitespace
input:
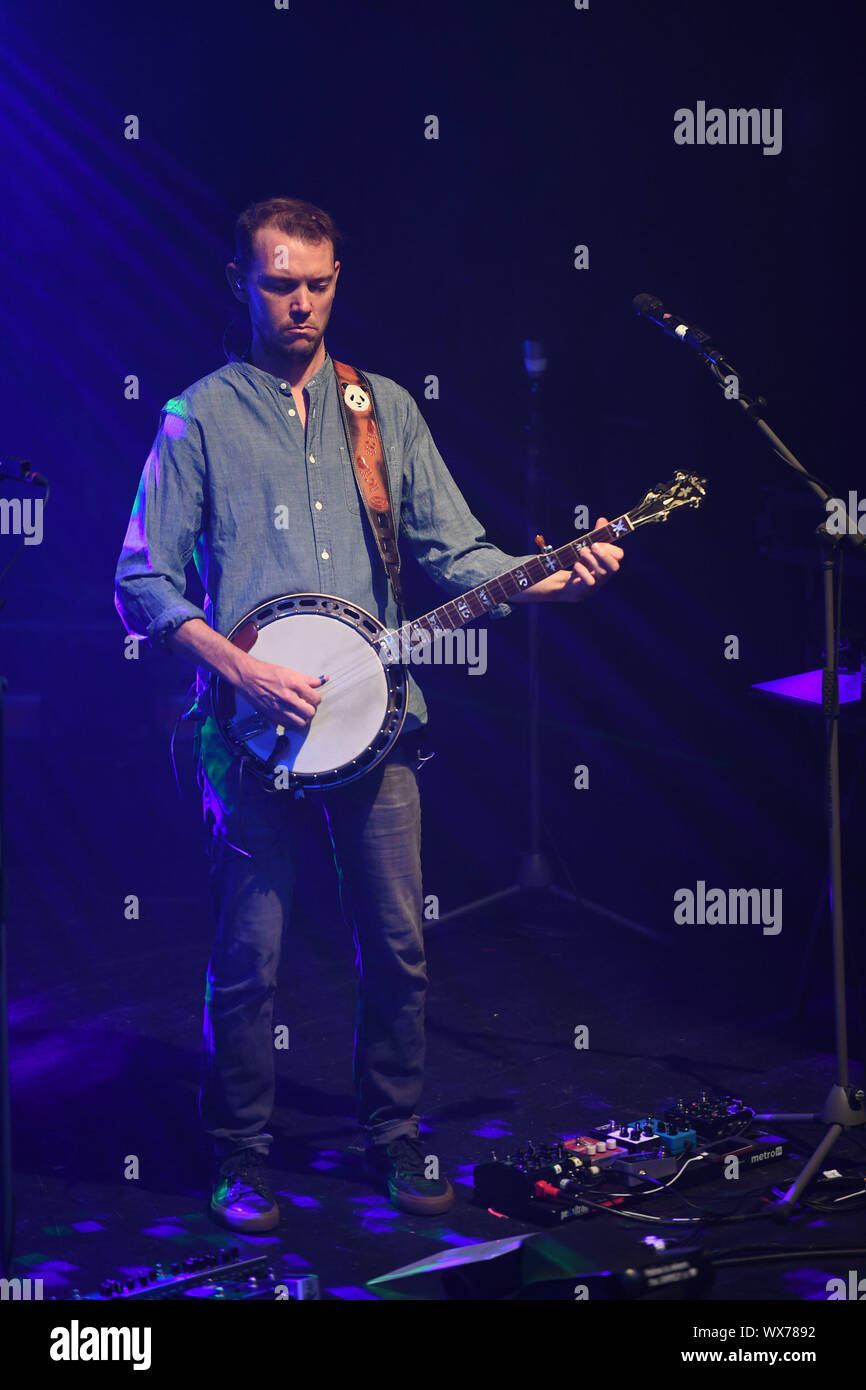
{"x":163,"y":531}
{"x":449,"y":542}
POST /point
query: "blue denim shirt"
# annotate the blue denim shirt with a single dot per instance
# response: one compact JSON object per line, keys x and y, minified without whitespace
{"x":264,"y":508}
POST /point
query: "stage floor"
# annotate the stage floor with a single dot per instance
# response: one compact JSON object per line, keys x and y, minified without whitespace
{"x":105,"y":1035}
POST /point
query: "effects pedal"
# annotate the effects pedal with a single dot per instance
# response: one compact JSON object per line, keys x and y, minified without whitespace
{"x":649,"y":1135}
{"x":711,"y":1117}
{"x":544,"y":1184}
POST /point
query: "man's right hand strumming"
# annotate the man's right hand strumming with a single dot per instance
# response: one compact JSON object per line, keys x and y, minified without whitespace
{"x":286,"y":698}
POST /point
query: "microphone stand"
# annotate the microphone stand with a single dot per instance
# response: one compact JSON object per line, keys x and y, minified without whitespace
{"x":844,"y":1107}
{"x":534,"y":874}
{"x":7,"y":1222}
{"x":7,"y":1205}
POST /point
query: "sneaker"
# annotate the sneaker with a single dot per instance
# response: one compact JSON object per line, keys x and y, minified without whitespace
{"x":241,"y":1198}
{"x":402,"y":1166}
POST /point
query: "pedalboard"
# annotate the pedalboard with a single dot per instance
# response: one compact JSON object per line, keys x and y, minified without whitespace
{"x":684,"y":1143}
{"x":217,"y":1275}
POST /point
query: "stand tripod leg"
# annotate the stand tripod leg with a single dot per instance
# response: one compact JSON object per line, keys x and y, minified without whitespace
{"x":7,"y":1218}
{"x":844,"y":1108}
{"x":481,"y":902}
{"x":786,"y":1206}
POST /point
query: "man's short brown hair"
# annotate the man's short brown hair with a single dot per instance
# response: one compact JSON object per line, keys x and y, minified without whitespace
{"x":293,"y":216}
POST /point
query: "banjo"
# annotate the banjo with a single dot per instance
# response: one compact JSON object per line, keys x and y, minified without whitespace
{"x":363,"y":703}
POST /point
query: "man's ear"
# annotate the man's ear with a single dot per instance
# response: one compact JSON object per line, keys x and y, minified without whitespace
{"x":236,"y":282}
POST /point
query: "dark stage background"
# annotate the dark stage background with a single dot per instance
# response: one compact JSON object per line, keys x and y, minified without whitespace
{"x":555,"y":130}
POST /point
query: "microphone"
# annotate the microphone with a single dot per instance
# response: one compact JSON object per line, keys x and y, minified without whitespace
{"x":648,"y":307}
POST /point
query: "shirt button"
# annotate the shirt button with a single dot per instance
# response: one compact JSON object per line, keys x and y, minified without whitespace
{"x":312,"y":458}
{"x":284,"y":386}
{"x":292,"y":412}
{"x":318,"y":506}
{"x":325,"y":555}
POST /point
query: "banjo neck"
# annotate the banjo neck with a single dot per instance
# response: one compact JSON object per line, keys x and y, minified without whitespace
{"x":475,"y":603}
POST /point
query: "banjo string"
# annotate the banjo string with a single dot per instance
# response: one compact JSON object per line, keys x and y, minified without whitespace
{"x":356,"y":666}
{"x":358,"y":669}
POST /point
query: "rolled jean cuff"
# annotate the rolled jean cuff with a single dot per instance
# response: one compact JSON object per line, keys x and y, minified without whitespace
{"x":383,"y":1134}
{"x":223,"y":1148}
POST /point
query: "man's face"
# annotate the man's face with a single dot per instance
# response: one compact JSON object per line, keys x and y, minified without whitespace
{"x":289,"y":288}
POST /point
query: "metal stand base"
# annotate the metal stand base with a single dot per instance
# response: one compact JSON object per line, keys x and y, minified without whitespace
{"x":843,"y":1110}
{"x":534,"y":877}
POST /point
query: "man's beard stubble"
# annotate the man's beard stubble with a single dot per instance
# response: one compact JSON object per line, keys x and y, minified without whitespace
{"x":299,"y":349}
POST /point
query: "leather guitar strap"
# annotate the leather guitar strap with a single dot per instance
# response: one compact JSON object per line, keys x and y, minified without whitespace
{"x":371,"y":471}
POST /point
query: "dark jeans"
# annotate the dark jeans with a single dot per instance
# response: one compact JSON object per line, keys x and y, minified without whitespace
{"x":375,"y":829}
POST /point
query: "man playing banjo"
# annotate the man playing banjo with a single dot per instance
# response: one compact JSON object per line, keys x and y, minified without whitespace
{"x":254,"y":475}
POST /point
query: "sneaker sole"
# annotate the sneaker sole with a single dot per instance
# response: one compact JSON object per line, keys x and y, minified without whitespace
{"x":265,"y":1221}
{"x":423,"y":1206}
{"x":418,"y":1206}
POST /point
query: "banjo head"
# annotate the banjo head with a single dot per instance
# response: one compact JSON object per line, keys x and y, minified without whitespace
{"x":363,"y":703}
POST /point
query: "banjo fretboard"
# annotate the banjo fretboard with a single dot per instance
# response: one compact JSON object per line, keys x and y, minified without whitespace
{"x":475,"y":603}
